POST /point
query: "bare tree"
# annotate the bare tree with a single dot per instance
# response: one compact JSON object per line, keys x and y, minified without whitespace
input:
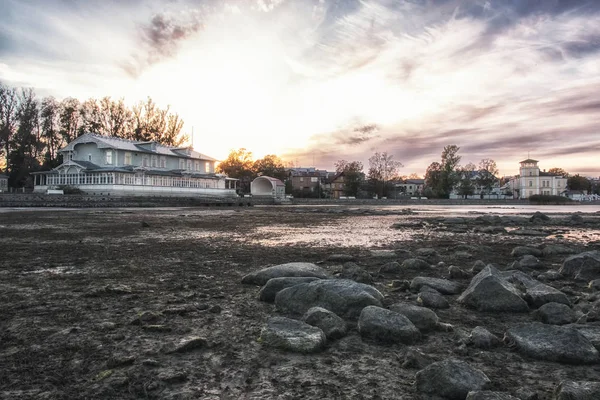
{"x":8,"y":117}
{"x":382,"y":167}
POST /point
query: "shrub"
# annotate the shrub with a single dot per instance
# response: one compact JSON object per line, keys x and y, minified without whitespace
{"x":70,"y":190}
{"x":548,"y":199}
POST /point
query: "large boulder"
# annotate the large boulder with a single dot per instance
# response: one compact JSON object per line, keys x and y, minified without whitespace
{"x":450,"y":379}
{"x":569,"y":390}
{"x":591,"y":333}
{"x":441,"y":285}
{"x":415,"y":263}
{"x":423,"y":318}
{"x":332,"y":325}
{"x":535,"y":292}
{"x":482,"y":338}
{"x":552,"y":343}
{"x":292,"y":335}
{"x":520,"y":251}
{"x":583,"y":266}
{"x":343,"y":297}
{"x":489,"y":291}
{"x":556,"y":314}
{"x":356,"y":273}
{"x":556,"y":249}
{"x":275,"y":285}
{"x":387,"y":326}
{"x":429,"y":297}
{"x":294,"y":269}
{"x":489,"y":395}
{"x":428,"y":254}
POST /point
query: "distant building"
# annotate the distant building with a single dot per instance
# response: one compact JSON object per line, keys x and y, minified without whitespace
{"x":411,"y":187}
{"x":338,"y":187}
{"x":112,"y":166}
{"x":3,"y":183}
{"x":308,"y":181}
{"x":532,"y":181}
{"x":265,"y":186}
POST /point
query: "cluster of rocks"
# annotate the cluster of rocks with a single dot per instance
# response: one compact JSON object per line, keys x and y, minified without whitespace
{"x":319,"y":307}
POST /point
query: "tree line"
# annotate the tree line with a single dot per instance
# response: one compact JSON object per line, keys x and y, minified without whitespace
{"x":33,"y":129}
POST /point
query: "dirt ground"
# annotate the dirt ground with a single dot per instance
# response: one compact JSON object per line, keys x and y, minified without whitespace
{"x":92,"y":301}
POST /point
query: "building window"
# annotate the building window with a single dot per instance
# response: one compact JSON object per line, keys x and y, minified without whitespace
{"x":127,"y":158}
{"x":530,"y":173}
{"x":530,"y":183}
{"x":189,"y":165}
{"x":108,"y":154}
{"x":153,"y":161}
{"x":163,"y":162}
{"x":145,"y":161}
{"x":181,"y":164}
{"x":197,"y":166}
{"x":89,"y":157}
{"x":301,"y":179}
{"x":207,"y":166}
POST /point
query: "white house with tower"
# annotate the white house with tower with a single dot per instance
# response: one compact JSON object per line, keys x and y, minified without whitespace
{"x":532,"y":181}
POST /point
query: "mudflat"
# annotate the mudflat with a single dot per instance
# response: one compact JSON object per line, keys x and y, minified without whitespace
{"x":149,"y":303}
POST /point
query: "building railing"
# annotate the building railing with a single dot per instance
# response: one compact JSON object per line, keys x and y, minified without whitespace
{"x":115,"y":178}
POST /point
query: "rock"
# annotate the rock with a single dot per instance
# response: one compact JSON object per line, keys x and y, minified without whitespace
{"x":478,"y":266}
{"x":144,"y":224}
{"x":550,"y":275}
{"x":489,"y":395}
{"x":215,"y":309}
{"x":454,"y":221}
{"x":456,"y":273}
{"x":520,"y":251}
{"x":273,"y":286}
{"x":353,"y":272}
{"x":490,"y":229}
{"x":416,"y":264}
{"x":489,"y":219}
{"x":340,"y":257}
{"x":392,"y":266}
{"x":552,"y":343}
{"x":450,"y":379}
{"x":387,"y":326}
{"x":556,"y":314}
{"x":482,"y":338}
{"x":383,"y":254}
{"x":591,"y":333}
{"x":583,"y":266}
{"x":294,"y":269}
{"x":556,"y":249}
{"x":428,"y":254}
{"x":576,"y":219}
{"x":539,"y":217}
{"x":595,"y":284}
{"x":292,"y":335}
{"x":525,"y":393}
{"x":423,"y":318}
{"x":529,"y":261}
{"x":527,"y":232}
{"x":147,"y":317}
{"x":173,"y":376}
{"x":488,"y":291}
{"x":414,"y":358}
{"x":569,"y":390}
{"x":462,"y":255}
{"x":431,"y":298}
{"x":117,"y":361}
{"x":341,"y":296}
{"x":187,"y":344}
{"x":536,"y":293}
{"x":332,"y":325}
{"x":441,"y":285}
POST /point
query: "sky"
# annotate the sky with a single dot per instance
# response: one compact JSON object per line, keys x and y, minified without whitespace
{"x":502,"y":79}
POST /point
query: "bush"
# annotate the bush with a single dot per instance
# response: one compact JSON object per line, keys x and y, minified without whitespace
{"x":548,"y":199}
{"x":70,"y":190}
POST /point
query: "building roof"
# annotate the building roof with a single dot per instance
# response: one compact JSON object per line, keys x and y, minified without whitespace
{"x":414,"y":181}
{"x":543,"y":173}
{"x":276,"y":181}
{"x":110,"y":142}
{"x":528,"y":161}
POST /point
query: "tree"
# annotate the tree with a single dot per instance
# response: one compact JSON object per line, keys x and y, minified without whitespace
{"x":49,"y":119}
{"x":577,"y":182}
{"x":382,"y":167}
{"x":488,"y":174}
{"x":238,"y":165}
{"x":69,"y":119}
{"x":26,"y":144}
{"x":353,"y":176}
{"x":466,"y":174}
{"x":449,"y":167}
{"x":8,"y":116}
{"x":558,"y":171}
{"x":433,"y":179}
{"x":270,"y":165}
{"x":414,"y":175}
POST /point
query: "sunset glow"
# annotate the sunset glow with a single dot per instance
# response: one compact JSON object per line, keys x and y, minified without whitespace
{"x":500,"y":79}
